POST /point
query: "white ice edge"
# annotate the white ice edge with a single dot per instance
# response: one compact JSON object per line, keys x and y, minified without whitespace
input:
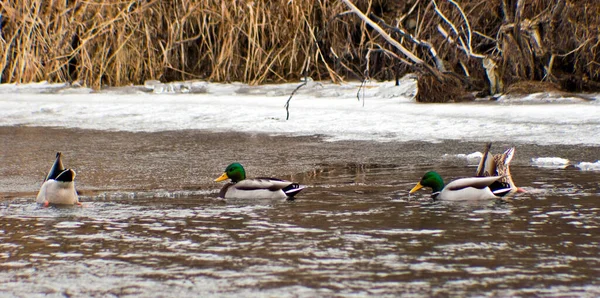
{"x":471,"y":158}
{"x":542,"y":162}
{"x":385,"y":113}
{"x":589,"y":166}
{"x":550,"y":162}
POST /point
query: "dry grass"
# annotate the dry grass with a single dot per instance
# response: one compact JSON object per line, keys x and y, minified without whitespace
{"x":121,"y":42}
{"x":128,"y":41}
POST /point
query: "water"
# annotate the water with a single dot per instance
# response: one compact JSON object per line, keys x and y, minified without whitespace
{"x":151,"y":224}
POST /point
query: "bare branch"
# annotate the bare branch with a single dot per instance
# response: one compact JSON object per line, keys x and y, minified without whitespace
{"x":441,"y":14}
{"x":449,"y":38}
{"x":410,"y":11}
{"x":388,"y":38}
{"x":438,"y":62}
{"x":462,"y":13}
{"x":287,"y":103}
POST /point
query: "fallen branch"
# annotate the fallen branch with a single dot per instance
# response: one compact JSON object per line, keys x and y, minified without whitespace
{"x":392,"y":41}
{"x":388,"y":38}
{"x":447,"y":21}
{"x":466,"y":47}
{"x":438,"y":62}
{"x":469,"y":35}
{"x":447,"y":36}
{"x":410,"y":11}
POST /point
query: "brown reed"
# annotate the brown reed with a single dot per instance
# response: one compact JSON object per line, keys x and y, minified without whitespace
{"x":121,"y":42}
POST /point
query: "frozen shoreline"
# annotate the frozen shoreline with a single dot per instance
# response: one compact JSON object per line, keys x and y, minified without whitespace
{"x":385,"y":113}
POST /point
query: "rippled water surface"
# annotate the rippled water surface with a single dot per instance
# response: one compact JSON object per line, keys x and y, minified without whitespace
{"x":151,"y":225}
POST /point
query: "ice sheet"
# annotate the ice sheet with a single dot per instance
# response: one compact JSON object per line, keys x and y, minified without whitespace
{"x":385,"y":112}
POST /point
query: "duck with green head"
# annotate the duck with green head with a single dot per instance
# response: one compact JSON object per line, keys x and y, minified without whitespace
{"x":474,"y":188}
{"x":257,"y":188}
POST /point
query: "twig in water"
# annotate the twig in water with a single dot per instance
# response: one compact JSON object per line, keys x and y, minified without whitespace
{"x":287,"y":104}
{"x":362,"y":87}
{"x":366,"y":78}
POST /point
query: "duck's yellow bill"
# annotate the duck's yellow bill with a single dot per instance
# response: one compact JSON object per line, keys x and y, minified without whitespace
{"x":417,"y":187}
{"x":223,"y":177}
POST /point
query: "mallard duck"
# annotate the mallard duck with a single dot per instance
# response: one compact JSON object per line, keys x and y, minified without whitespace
{"x":498,"y":165}
{"x":257,"y":188}
{"x":59,"y":186}
{"x":474,"y":188}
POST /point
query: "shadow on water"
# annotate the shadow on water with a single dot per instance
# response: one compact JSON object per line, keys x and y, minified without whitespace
{"x":354,"y":232}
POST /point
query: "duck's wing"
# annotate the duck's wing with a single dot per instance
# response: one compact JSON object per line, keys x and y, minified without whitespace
{"x":487,"y":166}
{"x":56,"y":168}
{"x":466,"y":194}
{"x":498,"y":165}
{"x":502,"y":162}
{"x":474,"y":182}
{"x":265,"y":188}
{"x":271,"y":184}
{"x":507,"y":156}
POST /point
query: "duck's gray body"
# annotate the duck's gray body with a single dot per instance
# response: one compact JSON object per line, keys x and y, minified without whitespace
{"x":474,"y":188}
{"x":261,"y":188}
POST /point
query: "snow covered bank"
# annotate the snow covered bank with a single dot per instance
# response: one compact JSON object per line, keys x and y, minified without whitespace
{"x":385,"y":112}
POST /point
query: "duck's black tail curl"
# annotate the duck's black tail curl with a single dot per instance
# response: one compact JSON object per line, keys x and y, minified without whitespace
{"x":500,"y":188}
{"x":292,"y":190}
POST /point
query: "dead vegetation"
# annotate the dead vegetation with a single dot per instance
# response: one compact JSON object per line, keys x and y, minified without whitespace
{"x":458,"y":48}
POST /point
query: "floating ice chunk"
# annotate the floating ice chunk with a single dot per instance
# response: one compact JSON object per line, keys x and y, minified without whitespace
{"x":475,"y":156}
{"x":68,"y":225}
{"x":472,"y":158}
{"x":16,"y":264}
{"x":550,"y":162}
{"x":589,"y":166}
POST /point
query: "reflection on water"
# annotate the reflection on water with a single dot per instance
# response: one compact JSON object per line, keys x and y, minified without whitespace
{"x":354,"y":232}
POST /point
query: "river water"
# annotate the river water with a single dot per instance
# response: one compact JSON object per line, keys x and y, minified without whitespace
{"x":151,"y":225}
